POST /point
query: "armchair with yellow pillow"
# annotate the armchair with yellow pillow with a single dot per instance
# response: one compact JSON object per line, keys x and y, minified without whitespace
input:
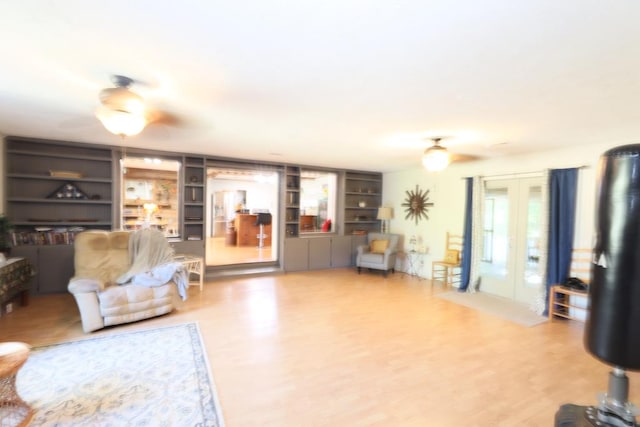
{"x":379,"y":254}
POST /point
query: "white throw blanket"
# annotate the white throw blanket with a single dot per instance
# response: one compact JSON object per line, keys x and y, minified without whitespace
{"x":152,"y":263}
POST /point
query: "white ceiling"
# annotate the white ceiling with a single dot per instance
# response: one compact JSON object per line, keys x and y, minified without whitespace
{"x":350,"y":84}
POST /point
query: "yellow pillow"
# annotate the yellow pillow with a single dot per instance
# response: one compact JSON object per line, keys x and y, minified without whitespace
{"x":452,"y":256}
{"x":379,"y":246}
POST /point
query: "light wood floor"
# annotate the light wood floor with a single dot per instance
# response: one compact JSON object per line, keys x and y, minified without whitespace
{"x":334,"y":348}
{"x":218,"y":253}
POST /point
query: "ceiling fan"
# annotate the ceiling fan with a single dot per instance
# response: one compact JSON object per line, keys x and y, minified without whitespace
{"x":124,"y":112}
{"x":437,"y":157}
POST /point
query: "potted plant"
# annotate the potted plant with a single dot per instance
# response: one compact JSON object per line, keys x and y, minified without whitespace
{"x":5,"y":235}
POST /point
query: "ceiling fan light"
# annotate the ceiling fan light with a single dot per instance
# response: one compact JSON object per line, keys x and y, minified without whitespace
{"x":121,"y":123}
{"x":122,"y":98}
{"x":134,"y":106}
{"x":435,"y":158}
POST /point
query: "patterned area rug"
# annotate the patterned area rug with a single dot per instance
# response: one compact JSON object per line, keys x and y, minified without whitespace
{"x":497,"y":306}
{"x":156,"y":377}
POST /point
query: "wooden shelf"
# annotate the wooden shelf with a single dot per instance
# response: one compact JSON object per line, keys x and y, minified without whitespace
{"x":64,"y":156}
{"x":361,"y":193}
{"x":193,"y":206}
{"x":362,"y":187}
{"x":57,"y":178}
{"x":292,"y":201}
{"x":29,"y":184}
{"x":64,"y":201}
{"x":560,"y":303}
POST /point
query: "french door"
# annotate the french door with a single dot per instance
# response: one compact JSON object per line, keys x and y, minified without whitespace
{"x":510,"y":262}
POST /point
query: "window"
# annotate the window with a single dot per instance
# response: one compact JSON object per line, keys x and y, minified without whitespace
{"x":318,"y":196}
{"x":150,"y":194}
{"x":487,"y":232}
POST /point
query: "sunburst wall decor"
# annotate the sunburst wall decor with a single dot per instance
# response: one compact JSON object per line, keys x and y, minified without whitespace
{"x":417,"y":204}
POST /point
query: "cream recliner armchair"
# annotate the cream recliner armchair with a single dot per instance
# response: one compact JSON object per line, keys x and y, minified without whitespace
{"x":379,"y":254}
{"x":103,"y":258}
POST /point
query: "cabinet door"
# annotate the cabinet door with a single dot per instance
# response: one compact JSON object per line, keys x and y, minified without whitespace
{"x":319,"y":253}
{"x":341,"y":251}
{"x":55,"y":268}
{"x":296,"y":254}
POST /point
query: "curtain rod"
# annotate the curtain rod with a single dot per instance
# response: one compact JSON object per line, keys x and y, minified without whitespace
{"x":533,"y":173}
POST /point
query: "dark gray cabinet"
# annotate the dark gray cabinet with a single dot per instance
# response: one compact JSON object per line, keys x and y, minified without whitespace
{"x":296,"y":254}
{"x":319,"y":253}
{"x":53,"y":264}
{"x":341,"y":252}
{"x":316,"y":253}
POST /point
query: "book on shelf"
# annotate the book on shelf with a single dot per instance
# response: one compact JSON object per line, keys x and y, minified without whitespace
{"x":45,"y":236}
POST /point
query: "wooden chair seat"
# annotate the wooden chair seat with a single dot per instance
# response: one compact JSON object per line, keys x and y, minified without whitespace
{"x":449,"y":270}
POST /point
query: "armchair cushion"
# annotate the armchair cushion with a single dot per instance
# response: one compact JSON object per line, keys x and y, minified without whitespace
{"x":379,"y":246}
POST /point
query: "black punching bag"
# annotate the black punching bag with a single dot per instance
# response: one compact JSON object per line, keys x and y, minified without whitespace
{"x":612,"y":332}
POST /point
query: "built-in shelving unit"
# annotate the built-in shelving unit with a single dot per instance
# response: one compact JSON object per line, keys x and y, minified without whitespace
{"x":54,"y":190}
{"x":57,"y":186}
{"x":362,"y":198}
{"x":193,"y":198}
{"x":292,"y":201}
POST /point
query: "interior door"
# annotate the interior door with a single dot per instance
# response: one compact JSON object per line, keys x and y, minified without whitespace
{"x":510,"y":258}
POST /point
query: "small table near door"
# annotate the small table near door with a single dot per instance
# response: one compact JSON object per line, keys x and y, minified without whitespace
{"x":15,"y":274}
{"x":415,"y":262}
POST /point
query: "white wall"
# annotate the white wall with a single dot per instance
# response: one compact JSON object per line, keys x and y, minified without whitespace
{"x":447,"y":192}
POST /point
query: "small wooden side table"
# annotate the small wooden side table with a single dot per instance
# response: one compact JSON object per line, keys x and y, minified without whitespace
{"x":193,"y":264}
{"x":13,"y":410}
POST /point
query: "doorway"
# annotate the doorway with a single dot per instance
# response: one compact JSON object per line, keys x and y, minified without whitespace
{"x":242,"y":215}
{"x":512,"y":224}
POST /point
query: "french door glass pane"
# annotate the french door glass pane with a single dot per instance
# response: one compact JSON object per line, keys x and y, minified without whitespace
{"x":532,"y":274}
{"x":496,"y":236}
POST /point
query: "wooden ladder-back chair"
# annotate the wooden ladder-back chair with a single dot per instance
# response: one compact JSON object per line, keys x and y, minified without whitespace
{"x":568,"y":302}
{"x":449,"y":269}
